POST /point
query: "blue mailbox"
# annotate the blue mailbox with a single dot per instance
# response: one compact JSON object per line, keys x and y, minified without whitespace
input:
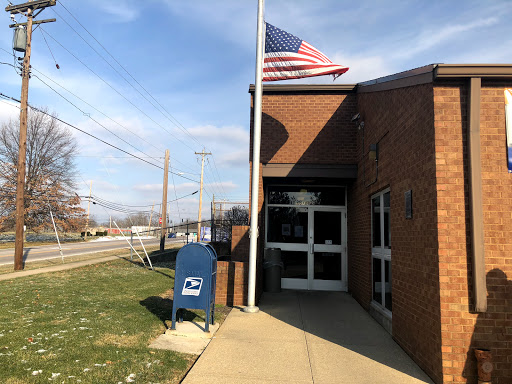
{"x":195,"y":281}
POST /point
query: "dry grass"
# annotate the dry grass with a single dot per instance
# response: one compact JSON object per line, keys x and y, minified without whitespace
{"x":119,"y":340}
{"x":91,"y":325}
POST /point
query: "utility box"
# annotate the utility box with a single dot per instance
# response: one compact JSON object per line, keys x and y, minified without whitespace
{"x":19,"y":42}
{"x":195,"y":281}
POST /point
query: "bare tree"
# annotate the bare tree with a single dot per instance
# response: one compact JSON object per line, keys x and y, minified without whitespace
{"x":237,"y":215}
{"x":50,"y":174}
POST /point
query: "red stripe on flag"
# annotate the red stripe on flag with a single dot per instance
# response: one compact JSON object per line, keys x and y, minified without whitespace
{"x":306,"y":47}
{"x":301,"y":68}
{"x":332,"y":72}
{"x":287,"y":58}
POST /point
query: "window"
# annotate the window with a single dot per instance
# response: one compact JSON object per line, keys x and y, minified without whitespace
{"x":306,"y":195}
{"x":381,"y":250}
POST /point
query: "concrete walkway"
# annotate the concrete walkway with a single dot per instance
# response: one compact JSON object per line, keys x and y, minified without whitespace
{"x":56,"y":267}
{"x":304,"y":337}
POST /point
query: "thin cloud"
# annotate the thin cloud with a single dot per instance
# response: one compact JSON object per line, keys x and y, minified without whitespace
{"x":235,"y":159}
{"x":431,"y":38}
{"x":158,"y":187}
{"x":226,"y":186}
{"x":123,"y":10}
{"x":228,"y":134}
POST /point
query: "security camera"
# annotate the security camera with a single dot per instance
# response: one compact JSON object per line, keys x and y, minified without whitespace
{"x":356,"y":117}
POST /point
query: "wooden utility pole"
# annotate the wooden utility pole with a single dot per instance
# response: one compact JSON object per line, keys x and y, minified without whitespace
{"x":214,"y":228}
{"x":28,"y":9}
{"x":203,"y":154}
{"x":164,"y":201}
{"x":88,"y":211}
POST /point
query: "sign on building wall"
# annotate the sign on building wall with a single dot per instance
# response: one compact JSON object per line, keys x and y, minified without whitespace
{"x":508,"y":115}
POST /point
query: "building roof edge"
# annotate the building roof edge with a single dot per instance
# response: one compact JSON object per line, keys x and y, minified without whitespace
{"x":306,"y":88}
{"x":422,"y":75}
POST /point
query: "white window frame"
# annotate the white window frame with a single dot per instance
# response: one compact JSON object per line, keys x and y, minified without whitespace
{"x":380,"y":253}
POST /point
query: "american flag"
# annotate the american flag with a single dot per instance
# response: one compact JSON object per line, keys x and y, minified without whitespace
{"x":288,"y":57}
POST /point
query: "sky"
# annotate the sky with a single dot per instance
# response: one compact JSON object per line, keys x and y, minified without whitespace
{"x":146,"y":76}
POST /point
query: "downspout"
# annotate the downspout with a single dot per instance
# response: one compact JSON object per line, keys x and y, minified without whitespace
{"x":475,"y":188}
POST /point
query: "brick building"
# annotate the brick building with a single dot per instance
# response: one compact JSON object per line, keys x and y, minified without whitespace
{"x":397,"y":191}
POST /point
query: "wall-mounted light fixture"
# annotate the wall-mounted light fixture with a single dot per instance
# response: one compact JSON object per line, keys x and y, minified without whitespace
{"x":373,"y":154}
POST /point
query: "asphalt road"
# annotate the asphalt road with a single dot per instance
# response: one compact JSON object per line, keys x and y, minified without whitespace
{"x":45,"y":252}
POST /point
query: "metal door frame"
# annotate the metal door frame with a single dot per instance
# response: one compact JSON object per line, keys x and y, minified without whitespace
{"x":310,"y":283}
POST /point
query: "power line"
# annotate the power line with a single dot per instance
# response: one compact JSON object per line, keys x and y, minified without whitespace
{"x":217,"y":171}
{"x":174,"y":120}
{"x":136,"y":206}
{"x":115,"y":90}
{"x":108,"y":117}
{"x":174,"y":186}
{"x":217,"y":181}
{"x":91,"y":135}
{"x":99,"y":111}
{"x":79,"y":98}
{"x":171,"y":118}
{"x":89,"y":116}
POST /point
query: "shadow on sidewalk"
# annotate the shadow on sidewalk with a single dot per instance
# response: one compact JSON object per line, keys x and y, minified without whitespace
{"x":337,"y":318}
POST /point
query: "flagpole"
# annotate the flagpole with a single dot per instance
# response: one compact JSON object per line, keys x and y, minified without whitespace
{"x":255,"y":179}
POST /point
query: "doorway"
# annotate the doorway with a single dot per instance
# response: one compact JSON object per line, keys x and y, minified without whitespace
{"x":312,"y":235}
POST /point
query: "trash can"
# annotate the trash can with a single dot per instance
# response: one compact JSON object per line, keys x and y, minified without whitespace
{"x":272,"y":268}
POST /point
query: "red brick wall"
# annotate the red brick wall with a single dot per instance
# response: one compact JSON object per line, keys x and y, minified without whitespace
{"x":232,"y":279}
{"x":307,"y":128}
{"x":462,"y":329}
{"x":402,"y":122}
{"x":240,"y":243}
{"x":232,"y":276}
{"x":303,"y":128}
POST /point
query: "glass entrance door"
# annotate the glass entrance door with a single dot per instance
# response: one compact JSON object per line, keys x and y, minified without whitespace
{"x":327,"y":254}
{"x":313,"y":243}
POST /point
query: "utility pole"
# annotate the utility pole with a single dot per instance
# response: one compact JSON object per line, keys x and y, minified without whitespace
{"x":203,"y":154}
{"x":164,"y":200}
{"x":214,"y":234}
{"x":88,"y":211}
{"x":26,"y":9}
{"x":150,"y":217}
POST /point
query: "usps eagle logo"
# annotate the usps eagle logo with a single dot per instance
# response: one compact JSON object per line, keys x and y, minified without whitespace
{"x":192,"y":286}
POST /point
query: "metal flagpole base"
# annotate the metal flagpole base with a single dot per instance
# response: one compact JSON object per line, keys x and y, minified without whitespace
{"x":251,"y":309}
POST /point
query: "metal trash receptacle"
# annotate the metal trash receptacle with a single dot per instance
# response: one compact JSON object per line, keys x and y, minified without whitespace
{"x":272,"y":269}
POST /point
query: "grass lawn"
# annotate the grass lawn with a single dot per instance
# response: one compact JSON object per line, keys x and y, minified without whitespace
{"x":90,"y":325}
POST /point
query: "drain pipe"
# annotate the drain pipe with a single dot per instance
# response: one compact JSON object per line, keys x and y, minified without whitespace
{"x":475,"y":188}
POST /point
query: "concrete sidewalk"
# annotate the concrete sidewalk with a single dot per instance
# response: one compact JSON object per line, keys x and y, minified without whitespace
{"x":56,"y":267}
{"x":304,"y":337}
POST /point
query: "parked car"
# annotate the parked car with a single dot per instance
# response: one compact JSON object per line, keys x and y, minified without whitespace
{"x":171,"y":235}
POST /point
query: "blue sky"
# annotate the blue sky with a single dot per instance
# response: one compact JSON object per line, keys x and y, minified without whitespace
{"x":197,"y":59}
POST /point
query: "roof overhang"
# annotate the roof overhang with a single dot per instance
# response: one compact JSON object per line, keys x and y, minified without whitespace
{"x":431,"y":73}
{"x":334,"y":171}
{"x":494,"y":71}
{"x":305,"y":88}
{"x":422,"y":75}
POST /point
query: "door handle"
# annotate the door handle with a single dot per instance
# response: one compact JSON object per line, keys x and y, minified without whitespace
{"x":311,"y":248}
